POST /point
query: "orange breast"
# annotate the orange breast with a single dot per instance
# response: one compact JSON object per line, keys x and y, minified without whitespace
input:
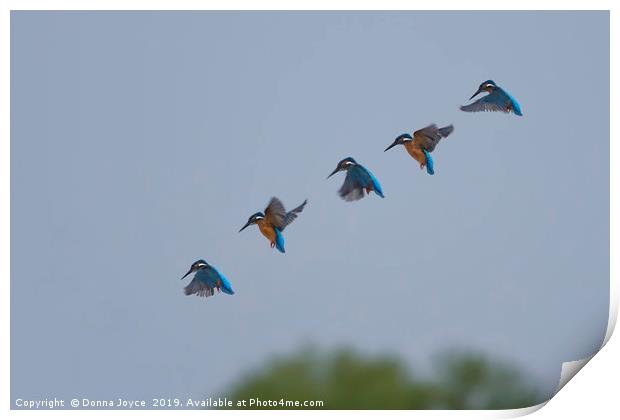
{"x":267,"y":230}
{"x":415,"y":152}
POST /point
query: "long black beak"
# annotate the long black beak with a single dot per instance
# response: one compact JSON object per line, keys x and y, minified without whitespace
{"x":246,"y":225}
{"x":335,"y":171}
{"x":477,"y":92}
{"x":390,"y":146}
{"x":187,"y":274}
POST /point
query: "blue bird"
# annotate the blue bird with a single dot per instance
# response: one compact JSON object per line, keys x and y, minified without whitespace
{"x":358,"y":180}
{"x":497,"y":100}
{"x":206,"y":280}
{"x":274,"y":220}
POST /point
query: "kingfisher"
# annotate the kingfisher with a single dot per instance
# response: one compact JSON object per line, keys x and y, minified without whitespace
{"x":272,"y":222}
{"x":497,"y":100}
{"x":423,"y":143}
{"x":358,"y":180}
{"x":206,"y":280}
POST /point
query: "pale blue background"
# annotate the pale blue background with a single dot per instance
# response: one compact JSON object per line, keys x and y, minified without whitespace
{"x":143,"y":141}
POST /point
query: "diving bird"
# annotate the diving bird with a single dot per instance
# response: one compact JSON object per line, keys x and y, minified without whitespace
{"x":358,"y":180}
{"x":423,"y":143}
{"x":497,"y":100}
{"x":206,"y":280}
{"x":274,"y":220}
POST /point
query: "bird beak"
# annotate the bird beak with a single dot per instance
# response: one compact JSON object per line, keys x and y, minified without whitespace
{"x":187,"y":274}
{"x":335,"y":171}
{"x":246,"y":225}
{"x":390,"y":146}
{"x":477,"y":92}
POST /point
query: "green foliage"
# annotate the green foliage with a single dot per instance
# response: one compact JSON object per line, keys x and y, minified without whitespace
{"x":344,"y":379}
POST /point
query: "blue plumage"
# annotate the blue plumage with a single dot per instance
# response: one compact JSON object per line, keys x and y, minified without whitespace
{"x":225,"y":285}
{"x":279,"y":241}
{"x":516,"y":108}
{"x":206,"y":280}
{"x":496,"y":100}
{"x":429,"y":163}
{"x":358,"y":180}
{"x":375,"y":183}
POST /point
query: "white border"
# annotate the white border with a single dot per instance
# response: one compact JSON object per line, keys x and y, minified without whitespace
{"x":594,"y":392}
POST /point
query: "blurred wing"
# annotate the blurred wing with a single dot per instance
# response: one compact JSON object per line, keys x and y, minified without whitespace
{"x":492,"y":102}
{"x":199,"y":287}
{"x":275,"y":213}
{"x":357,"y":179}
{"x":352,"y":188}
{"x":427,"y":137}
{"x":292,"y":215}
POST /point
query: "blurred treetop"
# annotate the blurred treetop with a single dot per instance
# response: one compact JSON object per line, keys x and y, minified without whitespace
{"x":344,"y":379}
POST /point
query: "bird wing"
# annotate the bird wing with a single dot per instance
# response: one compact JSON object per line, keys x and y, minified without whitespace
{"x":356,"y":180}
{"x":496,"y":101}
{"x":427,"y":137}
{"x":201,"y":285}
{"x":352,"y":188}
{"x":292,"y":215}
{"x":275,"y":213}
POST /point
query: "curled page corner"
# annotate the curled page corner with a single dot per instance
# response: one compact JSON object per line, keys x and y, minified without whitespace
{"x":520,"y":412}
{"x":570,"y":369}
{"x":614,"y":294}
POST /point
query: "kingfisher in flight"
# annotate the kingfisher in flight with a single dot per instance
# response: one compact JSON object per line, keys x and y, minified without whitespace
{"x":497,"y":100}
{"x":272,"y":222}
{"x":206,"y":280}
{"x":422,"y":144}
{"x":358,"y":180}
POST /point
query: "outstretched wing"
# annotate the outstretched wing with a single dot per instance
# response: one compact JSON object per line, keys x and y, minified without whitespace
{"x":292,"y":215}
{"x":275,"y":213}
{"x":496,"y":101}
{"x":427,"y":137}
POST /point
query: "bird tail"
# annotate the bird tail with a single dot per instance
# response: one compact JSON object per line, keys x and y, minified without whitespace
{"x":375,"y":185}
{"x":225,"y":284}
{"x":227,"y":288}
{"x":446,"y":131}
{"x":516,"y":108}
{"x":279,"y":240}
{"x":429,"y":163}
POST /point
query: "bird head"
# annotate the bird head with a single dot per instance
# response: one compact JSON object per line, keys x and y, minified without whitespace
{"x":198,"y":265}
{"x":488,"y":86}
{"x":253,"y":220}
{"x":343,"y":165}
{"x":402,"y":139}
